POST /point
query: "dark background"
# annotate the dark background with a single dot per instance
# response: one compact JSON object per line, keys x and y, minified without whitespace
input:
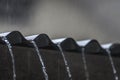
{"x":80,"y":19}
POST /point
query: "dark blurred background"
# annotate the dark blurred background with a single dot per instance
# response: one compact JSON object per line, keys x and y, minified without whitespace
{"x":80,"y":19}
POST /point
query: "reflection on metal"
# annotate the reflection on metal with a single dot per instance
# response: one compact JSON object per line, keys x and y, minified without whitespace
{"x":91,"y":46}
{"x":114,"y":48}
{"x":15,"y":38}
{"x":42,"y":41}
{"x":67,"y":44}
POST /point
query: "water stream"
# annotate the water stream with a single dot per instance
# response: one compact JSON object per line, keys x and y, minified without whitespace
{"x":112,"y":64}
{"x":41,"y":60}
{"x":12,"y":56}
{"x":85,"y":64}
{"x":65,"y":61}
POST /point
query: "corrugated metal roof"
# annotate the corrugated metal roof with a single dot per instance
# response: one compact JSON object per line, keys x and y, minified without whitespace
{"x":68,"y":44}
